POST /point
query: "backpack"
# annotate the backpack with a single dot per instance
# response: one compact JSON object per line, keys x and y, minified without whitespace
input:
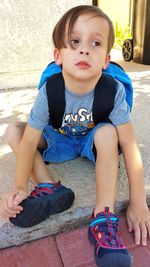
{"x":114,"y":70}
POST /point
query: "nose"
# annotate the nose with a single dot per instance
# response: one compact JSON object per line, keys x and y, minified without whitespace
{"x":84,"y":53}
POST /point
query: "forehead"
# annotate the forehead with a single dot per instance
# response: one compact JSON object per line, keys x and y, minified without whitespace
{"x":91,"y":22}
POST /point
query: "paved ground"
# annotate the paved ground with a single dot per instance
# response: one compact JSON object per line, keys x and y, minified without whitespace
{"x":71,"y":248}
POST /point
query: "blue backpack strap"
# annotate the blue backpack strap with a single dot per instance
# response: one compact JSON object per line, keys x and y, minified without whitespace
{"x":50,"y":70}
{"x":114,"y":70}
{"x":117,"y":72}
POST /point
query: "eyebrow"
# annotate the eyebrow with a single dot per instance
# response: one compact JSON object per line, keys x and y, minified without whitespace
{"x":98,"y":34}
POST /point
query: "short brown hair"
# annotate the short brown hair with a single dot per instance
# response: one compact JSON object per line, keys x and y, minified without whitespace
{"x":70,"y":17}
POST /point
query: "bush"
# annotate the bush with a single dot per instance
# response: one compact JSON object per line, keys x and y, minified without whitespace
{"x":122,"y":34}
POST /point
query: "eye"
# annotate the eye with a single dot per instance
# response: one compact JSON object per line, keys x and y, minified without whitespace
{"x":74,"y":42}
{"x":96,"y":43}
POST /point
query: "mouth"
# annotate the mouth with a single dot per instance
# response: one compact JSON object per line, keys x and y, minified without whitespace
{"x":83,"y":64}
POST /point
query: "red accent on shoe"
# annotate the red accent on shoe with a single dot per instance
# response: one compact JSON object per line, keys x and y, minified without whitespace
{"x":105,"y":230}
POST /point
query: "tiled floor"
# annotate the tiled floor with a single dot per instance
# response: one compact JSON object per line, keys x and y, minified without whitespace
{"x":69,"y":249}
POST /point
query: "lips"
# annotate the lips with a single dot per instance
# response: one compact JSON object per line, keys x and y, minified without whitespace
{"x":83,"y":64}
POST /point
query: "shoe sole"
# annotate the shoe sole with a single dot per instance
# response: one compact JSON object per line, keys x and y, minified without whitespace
{"x":38,"y":209}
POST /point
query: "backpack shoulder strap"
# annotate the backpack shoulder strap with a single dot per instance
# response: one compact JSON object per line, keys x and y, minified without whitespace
{"x":104,"y":97}
{"x":55,"y":89}
{"x":103,"y":103}
{"x":50,"y":70}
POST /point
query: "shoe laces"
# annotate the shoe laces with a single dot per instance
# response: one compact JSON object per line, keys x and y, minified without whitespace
{"x":44,"y":189}
{"x":104,"y":228}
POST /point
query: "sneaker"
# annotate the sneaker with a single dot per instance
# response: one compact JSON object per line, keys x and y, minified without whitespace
{"x":110,"y":250}
{"x":44,"y":200}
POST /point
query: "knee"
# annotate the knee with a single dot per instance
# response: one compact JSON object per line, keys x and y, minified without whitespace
{"x":14,"y":132}
{"x":106,"y":135}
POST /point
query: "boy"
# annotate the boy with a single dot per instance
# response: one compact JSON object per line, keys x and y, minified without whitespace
{"x":82,"y":39}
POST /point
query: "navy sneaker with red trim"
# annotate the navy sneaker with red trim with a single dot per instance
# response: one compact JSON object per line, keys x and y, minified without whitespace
{"x":110,"y":250}
{"x":46,"y":199}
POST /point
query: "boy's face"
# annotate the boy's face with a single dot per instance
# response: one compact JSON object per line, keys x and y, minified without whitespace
{"x":89,"y":37}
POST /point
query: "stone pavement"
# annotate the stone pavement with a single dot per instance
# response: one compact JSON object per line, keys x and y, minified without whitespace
{"x":70,"y":248}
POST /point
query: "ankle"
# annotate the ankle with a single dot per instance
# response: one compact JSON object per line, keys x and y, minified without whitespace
{"x":101,"y":208}
{"x":44,"y":180}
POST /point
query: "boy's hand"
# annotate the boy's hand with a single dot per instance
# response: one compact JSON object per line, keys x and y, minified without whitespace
{"x":138,"y":218}
{"x":10,"y":203}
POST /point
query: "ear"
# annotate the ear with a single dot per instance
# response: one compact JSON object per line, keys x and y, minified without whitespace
{"x":107,"y":61}
{"x":57,"y":56}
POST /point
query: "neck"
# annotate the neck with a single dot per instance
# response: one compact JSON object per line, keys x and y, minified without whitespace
{"x":80,"y":86}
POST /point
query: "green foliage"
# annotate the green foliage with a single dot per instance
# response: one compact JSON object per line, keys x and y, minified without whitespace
{"x":121,"y":34}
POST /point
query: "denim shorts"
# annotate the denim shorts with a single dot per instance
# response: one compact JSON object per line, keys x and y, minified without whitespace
{"x":62,"y":147}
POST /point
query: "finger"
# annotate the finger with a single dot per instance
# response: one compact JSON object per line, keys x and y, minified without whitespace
{"x":5,"y":214}
{"x":11,"y":205}
{"x":148,"y":228}
{"x":12,"y":211}
{"x":144,"y":234}
{"x":9,"y":213}
{"x":7,"y":209}
{"x":19,"y":197}
{"x":130,"y":228}
{"x":137,"y":234}
{"x":16,"y":199}
{"x":11,"y":208}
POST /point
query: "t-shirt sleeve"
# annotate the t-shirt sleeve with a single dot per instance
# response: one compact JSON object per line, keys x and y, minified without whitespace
{"x":121,"y":111}
{"x":39,"y":115}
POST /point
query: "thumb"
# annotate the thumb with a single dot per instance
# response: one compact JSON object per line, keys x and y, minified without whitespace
{"x":19,"y":197}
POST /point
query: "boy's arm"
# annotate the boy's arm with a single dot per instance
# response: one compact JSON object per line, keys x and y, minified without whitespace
{"x":25,"y":157}
{"x":10,"y":202}
{"x":138,"y":215}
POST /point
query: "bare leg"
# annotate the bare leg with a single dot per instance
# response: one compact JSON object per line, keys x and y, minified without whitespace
{"x":14,"y":135}
{"x":106,"y":143}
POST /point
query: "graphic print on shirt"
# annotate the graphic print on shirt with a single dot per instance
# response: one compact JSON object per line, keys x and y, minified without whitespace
{"x":77,"y":124}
